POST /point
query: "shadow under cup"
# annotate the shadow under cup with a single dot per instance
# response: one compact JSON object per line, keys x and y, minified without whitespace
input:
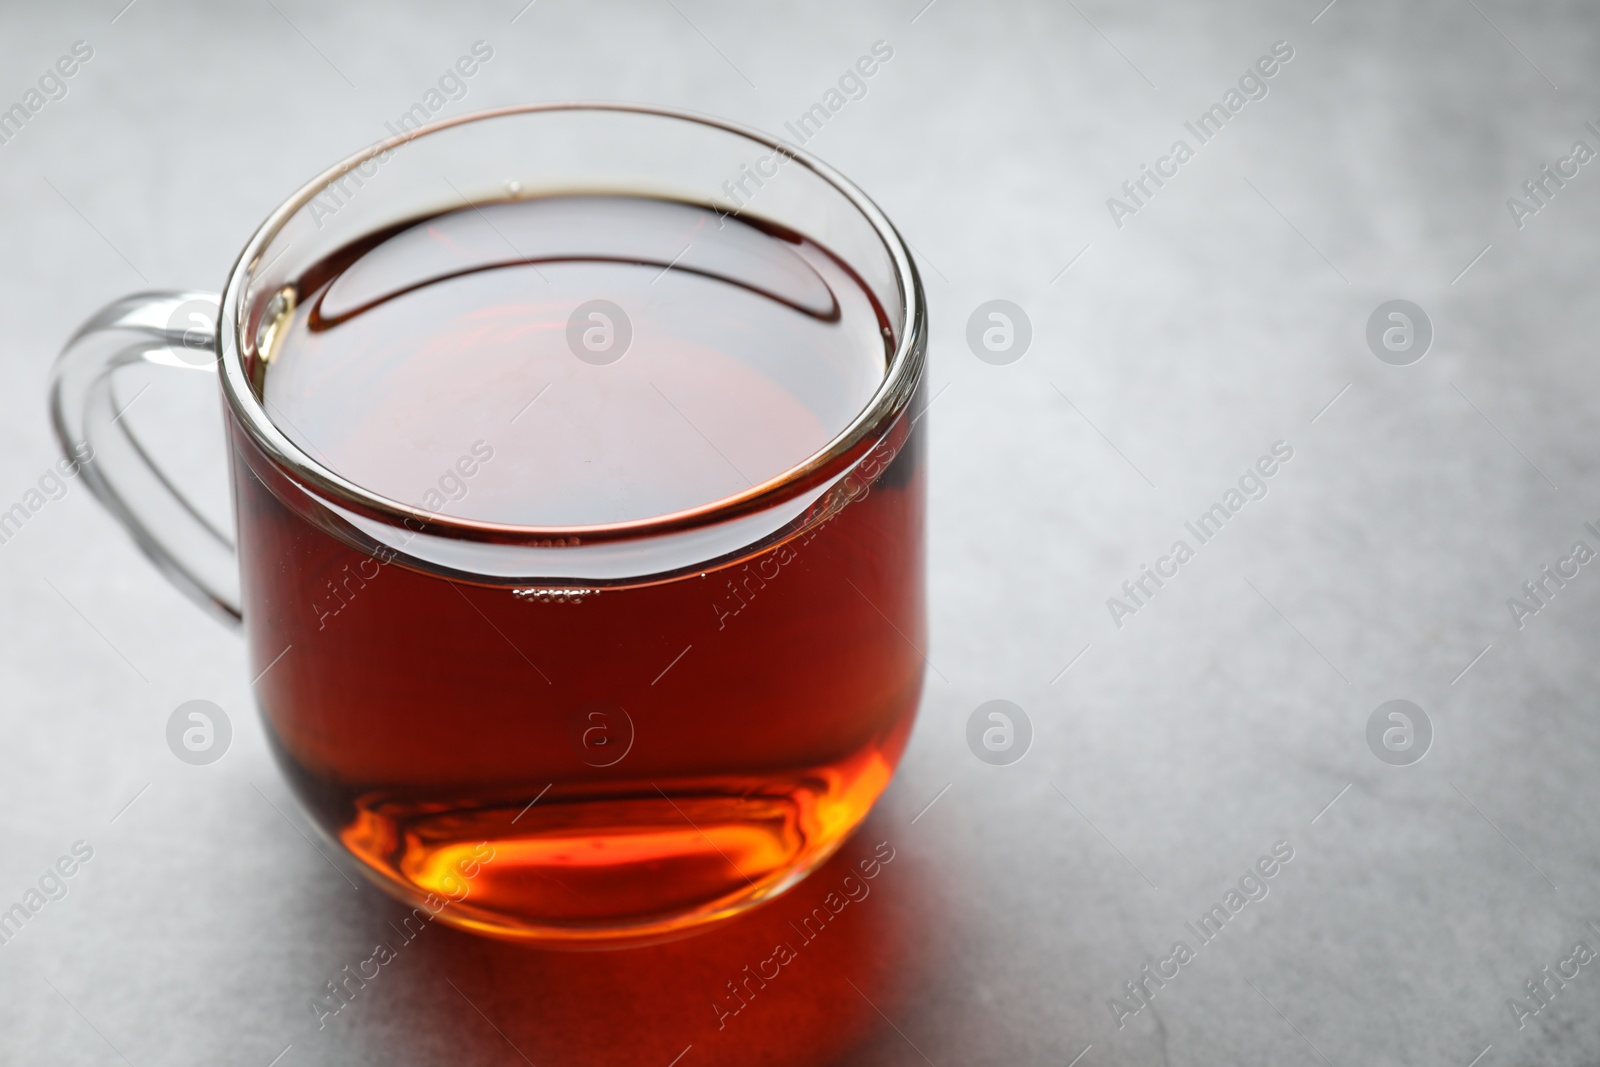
{"x":603,"y":732}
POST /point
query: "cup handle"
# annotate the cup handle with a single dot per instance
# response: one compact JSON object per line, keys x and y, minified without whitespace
{"x":174,"y":329}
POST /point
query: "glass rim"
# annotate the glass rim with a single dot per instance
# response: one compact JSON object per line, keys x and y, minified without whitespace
{"x":874,"y":420}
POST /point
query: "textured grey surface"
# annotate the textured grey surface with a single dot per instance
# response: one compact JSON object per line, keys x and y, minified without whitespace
{"x":1222,"y":718}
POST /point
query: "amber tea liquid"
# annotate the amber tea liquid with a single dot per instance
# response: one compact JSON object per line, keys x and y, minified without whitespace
{"x":639,"y":757}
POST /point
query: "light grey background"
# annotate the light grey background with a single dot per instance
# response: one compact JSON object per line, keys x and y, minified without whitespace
{"x":1222,"y":718}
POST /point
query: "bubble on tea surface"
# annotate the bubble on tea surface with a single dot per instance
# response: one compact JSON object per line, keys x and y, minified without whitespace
{"x":999,"y":732}
{"x":1399,"y":733}
{"x":999,"y":332}
{"x":1399,"y":332}
{"x":198,"y":732}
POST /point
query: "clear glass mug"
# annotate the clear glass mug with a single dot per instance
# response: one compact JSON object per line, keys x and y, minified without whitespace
{"x":488,"y":716}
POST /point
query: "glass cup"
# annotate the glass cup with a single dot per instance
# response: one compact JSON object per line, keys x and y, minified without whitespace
{"x":571,"y":735}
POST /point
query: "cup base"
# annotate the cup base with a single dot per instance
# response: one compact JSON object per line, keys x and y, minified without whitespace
{"x":565,"y":869}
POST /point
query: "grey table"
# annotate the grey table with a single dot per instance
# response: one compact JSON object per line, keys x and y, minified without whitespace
{"x":1176,"y":340}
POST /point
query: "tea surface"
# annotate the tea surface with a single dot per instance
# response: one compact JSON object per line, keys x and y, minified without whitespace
{"x":729,"y":353}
